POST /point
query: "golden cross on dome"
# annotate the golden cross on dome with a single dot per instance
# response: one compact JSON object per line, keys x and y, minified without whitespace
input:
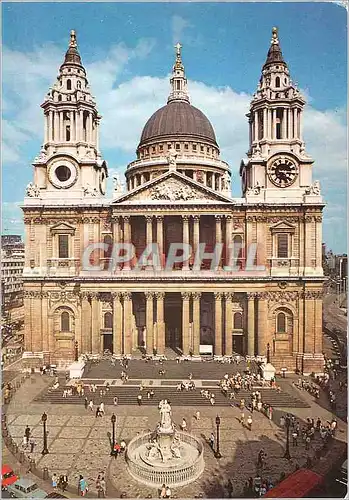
{"x":178,"y":47}
{"x":72,"y":38}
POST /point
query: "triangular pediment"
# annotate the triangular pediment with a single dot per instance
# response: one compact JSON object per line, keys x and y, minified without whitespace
{"x":62,"y":227}
{"x":282,"y":226}
{"x":172,"y":187}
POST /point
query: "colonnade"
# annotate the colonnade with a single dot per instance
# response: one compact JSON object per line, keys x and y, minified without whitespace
{"x":82,"y":126}
{"x":125,"y":340}
{"x":191,"y":225}
{"x":263,"y":123}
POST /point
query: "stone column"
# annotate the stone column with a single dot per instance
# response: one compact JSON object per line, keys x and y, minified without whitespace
{"x":196,"y":231}
{"x":97,"y":135}
{"x":117,"y":322}
{"x":273,"y":130}
{"x":283,"y":126}
{"x":61,"y":127}
{"x":27,"y":321}
{"x":185,"y":219}
{"x":196,"y":323}
{"x":89,"y":137}
{"x":229,"y":323}
{"x":218,"y":233}
{"x":185,"y":322}
{"x":309,"y":246}
{"x":149,"y":229}
{"x":116,"y":239}
{"x":262,"y":324}
{"x":127,"y":237}
{"x":55,"y":137}
{"x":160,"y":238}
{"x":318,"y":336}
{"x":318,"y":229}
{"x":86,"y":341}
{"x":265,"y":123}
{"x":228,"y":239}
{"x":255,"y":126}
{"x":269,"y":124}
{"x":160,"y":344}
{"x":250,"y":324}
{"x":127,"y":322}
{"x":50,"y":127}
{"x":218,"y":323}
{"x":96,"y":334}
{"x":44,"y":322}
{"x":295,"y":130}
{"x":149,"y":321}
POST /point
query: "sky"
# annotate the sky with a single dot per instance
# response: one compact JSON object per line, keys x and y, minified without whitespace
{"x":127,"y":50}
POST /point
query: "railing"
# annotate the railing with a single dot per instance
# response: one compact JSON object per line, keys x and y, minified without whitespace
{"x":174,"y":476}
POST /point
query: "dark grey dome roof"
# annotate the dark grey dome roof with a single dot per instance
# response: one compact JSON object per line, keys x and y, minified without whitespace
{"x":178,"y":118}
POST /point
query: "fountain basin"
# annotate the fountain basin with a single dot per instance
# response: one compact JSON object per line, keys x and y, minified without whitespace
{"x":175,"y":472}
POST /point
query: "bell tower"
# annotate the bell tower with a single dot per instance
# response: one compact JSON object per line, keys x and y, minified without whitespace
{"x":70,"y":159}
{"x":277,"y":164}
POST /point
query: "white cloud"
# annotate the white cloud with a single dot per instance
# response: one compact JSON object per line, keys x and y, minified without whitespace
{"x":179,"y":25}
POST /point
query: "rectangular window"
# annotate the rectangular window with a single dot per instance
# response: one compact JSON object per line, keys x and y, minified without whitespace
{"x":178,"y":147}
{"x":194,"y":147}
{"x":186,"y":147}
{"x":63,"y":246}
{"x":161,"y":147}
{"x":282,"y":246}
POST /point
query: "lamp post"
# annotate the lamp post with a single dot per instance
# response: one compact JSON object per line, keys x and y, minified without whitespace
{"x":44,"y":420}
{"x":287,"y":451}
{"x":76,"y":350}
{"x":268,"y":352}
{"x":113,"y":420}
{"x":218,"y":423}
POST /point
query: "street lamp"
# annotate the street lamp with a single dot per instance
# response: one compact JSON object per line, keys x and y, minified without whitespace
{"x":76,"y":348}
{"x":218,"y":423}
{"x":44,"y":420}
{"x":113,"y":420}
{"x":287,"y":451}
{"x":268,"y":352}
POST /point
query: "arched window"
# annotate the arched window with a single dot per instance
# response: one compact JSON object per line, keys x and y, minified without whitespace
{"x":60,"y":97}
{"x":238,"y":321}
{"x":108,"y":320}
{"x":78,"y":84}
{"x":237,"y":249}
{"x":277,"y":81}
{"x":281,"y":323}
{"x":65,"y":322}
{"x":69,"y":84}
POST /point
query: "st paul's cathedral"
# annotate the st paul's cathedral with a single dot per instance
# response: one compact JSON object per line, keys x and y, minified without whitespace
{"x":176,"y":190}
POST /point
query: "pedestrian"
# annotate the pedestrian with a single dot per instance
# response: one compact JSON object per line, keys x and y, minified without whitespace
{"x":102,"y":487}
{"x":115,"y":401}
{"x":98,"y":485}
{"x":249,"y":422}
{"x":212,"y":440}
{"x":230,"y":488}
{"x":97,"y":412}
{"x":184,"y":425}
{"x":282,"y":421}
{"x":83,"y":486}
{"x":307,"y":442}
{"x":25,"y":442}
{"x":64,"y":482}
{"x":101,"y":409}
{"x":197,"y":415}
{"x":139,"y":399}
{"x":86,"y":403}
{"x":260,"y":458}
{"x":90,"y":405}
{"x":294,"y":438}
{"x":163,"y":491}
{"x":27,"y":433}
{"x":54,"y":481}
{"x":32,"y":444}
{"x":242,"y":418}
{"x":168,"y":492}
{"x":122,"y":445}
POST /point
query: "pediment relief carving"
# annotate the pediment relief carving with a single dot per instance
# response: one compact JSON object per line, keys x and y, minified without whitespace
{"x":63,"y":228}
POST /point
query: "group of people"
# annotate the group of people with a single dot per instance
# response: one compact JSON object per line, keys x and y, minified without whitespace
{"x":28,"y":440}
{"x":186,"y":385}
{"x":60,"y":482}
{"x":256,"y":487}
{"x":165,"y":491}
{"x":308,"y":386}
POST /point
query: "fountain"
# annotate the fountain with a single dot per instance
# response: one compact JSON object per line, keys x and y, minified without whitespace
{"x":165,"y":456}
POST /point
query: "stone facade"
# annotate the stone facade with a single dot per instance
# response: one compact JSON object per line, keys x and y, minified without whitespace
{"x":178,"y":190}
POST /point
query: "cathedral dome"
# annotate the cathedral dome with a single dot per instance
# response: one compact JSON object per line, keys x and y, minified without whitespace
{"x":178,"y":118}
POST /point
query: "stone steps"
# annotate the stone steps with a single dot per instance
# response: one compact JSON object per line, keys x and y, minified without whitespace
{"x":128,"y":396}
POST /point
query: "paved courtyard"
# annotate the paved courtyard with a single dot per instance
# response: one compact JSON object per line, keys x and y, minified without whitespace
{"x":78,"y":442}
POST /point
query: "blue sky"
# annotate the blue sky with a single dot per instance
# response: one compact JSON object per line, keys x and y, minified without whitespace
{"x":128,"y":52}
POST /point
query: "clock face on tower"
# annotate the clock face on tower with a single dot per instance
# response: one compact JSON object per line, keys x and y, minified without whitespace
{"x":282,"y":172}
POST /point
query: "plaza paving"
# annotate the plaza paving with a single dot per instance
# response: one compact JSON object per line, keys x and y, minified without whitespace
{"x":79,"y":443}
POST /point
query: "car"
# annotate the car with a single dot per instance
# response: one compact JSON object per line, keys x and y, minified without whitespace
{"x":26,"y":488}
{"x":7,"y":476}
{"x":55,"y":494}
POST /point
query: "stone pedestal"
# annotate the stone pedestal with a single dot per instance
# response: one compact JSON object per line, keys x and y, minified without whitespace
{"x":268,"y":371}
